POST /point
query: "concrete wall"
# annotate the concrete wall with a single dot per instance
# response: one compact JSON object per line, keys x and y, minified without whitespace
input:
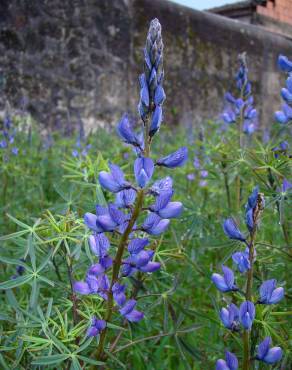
{"x":84,"y":57}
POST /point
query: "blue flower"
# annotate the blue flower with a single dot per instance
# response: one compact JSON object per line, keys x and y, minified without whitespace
{"x":154,"y":225}
{"x":107,"y":219}
{"x":161,"y":186}
{"x":284,"y":63}
{"x":130,"y":313}
{"x":139,"y":259}
{"x":99,"y":244}
{"x":247,"y":314}
{"x":96,"y":282}
{"x":230,"y":316}
{"x":14,"y":151}
{"x":3,"y":144}
{"x":230,"y":362}
{"x":143,"y":169}
{"x":267,"y":354}
{"x":269,"y":294}
{"x":250,"y":208}
{"x":241,"y":259}
{"x":113,"y":181}
{"x":286,"y":185}
{"x":119,"y":293}
{"x":125,"y":198}
{"x":232,"y":231}
{"x":127,"y":133}
{"x":238,"y":108}
{"x":286,"y":92}
{"x":166,"y":209}
{"x":156,"y":121}
{"x":285,"y":115}
{"x":176,"y":159}
{"x":152,"y":94}
{"x":224,"y":283}
{"x":96,"y":327}
{"x":137,"y":245}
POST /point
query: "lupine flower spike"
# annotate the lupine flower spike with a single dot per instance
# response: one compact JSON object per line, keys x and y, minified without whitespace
{"x":240,"y":109}
{"x":106,"y":278}
{"x":285,"y":115}
{"x":235,"y":319}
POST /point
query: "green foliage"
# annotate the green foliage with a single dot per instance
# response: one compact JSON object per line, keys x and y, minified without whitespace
{"x":45,"y":193}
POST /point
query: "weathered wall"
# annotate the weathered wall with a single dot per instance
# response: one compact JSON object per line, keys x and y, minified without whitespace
{"x":84,"y":56}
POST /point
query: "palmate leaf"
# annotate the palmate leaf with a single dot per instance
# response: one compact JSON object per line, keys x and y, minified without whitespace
{"x":31,"y":251}
{"x":91,"y":361}
{"x":12,"y":261}
{"x":13,"y":283}
{"x":51,"y":360}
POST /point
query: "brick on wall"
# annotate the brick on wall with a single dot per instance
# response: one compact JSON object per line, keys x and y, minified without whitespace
{"x":280,"y":10}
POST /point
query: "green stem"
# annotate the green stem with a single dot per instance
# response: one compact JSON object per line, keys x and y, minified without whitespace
{"x":249,"y":283}
{"x":227,"y":189}
{"x":116,"y":269}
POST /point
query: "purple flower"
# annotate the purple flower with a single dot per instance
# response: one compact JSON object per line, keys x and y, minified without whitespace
{"x":143,"y":169}
{"x":130,"y":313}
{"x":285,"y":115}
{"x":3,"y":144}
{"x":203,"y":183}
{"x":154,"y":225}
{"x":282,"y":148}
{"x":90,"y":221}
{"x":224,"y":283}
{"x":286,"y":185}
{"x":176,"y":159}
{"x":230,"y":316}
{"x":125,"y":198}
{"x":232,"y":231}
{"x":96,"y":282}
{"x":230,"y":363}
{"x":267,"y":354}
{"x":237,"y":107}
{"x":247,"y":314}
{"x":156,"y":121}
{"x":152,"y":94}
{"x":196,"y":163}
{"x":96,"y":327}
{"x":14,"y":151}
{"x":269,"y":294}
{"x":108,"y":219}
{"x":166,"y":209}
{"x":204,"y":174}
{"x":139,"y":259}
{"x":191,"y":176}
{"x":113,"y":181}
{"x":250,"y":208}
{"x":99,"y":244}
{"x":106,"y":262}
{"x":119,"y":293}
{"x":127,"y":133}
{"x":287,"y":93}
{"x":161,"y":186}
{"x":241,"y":259}
{"x":284,"y":63}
